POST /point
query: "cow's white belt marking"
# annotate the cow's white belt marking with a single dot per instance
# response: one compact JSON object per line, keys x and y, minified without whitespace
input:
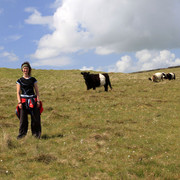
{"x":102,"y":80}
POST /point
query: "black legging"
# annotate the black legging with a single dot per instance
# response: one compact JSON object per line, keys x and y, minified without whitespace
{"x":35,"y":121}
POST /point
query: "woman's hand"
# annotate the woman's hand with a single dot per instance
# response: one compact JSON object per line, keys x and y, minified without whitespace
{"x":37,"y":94}
{"x":20,"y":105}
{"x":38,"y":104}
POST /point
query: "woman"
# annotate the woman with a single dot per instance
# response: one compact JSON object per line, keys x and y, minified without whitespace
{"x":28,"y":102}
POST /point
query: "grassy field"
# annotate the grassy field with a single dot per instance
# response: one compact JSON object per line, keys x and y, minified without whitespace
{"x":130,"y":132}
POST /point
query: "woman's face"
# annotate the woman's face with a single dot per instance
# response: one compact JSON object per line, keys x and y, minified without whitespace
{"x":26,"y":70}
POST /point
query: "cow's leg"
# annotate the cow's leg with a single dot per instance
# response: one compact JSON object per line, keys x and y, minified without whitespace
{"x":88,"y":87}
{"x":106,"y":87}
{"x":108,"y":81}
{"x":94,"y":88}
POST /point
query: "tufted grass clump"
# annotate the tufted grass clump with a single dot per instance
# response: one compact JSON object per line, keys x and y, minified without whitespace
{"x":7,"y":142}
{"x":130,"y":132}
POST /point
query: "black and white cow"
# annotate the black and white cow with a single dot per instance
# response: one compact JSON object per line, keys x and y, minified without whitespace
{"x":159,"y":76}
{"x":171,"y":76}
{"x":96,"y":80}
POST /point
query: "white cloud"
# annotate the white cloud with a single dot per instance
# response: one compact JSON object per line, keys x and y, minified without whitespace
{"x":8,"y":56}
{"x":84,"y":68}
{"x":110,"y":27}
{"x":56,"y":4}
{"x":155,"y":59}
{"x":113,"y":26}
{"x":14,"y":37}
{"x":55,"y":62}
{"x":103,"y":51}
{"x":125,"y":64}
{"x":37,"y":18}
{"x":146,"y":60}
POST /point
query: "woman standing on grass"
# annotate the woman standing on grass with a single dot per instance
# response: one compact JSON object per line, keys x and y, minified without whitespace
{"x":28,"y":102}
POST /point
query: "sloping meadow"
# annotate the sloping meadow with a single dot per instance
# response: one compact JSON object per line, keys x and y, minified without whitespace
{"x":129,"y":132}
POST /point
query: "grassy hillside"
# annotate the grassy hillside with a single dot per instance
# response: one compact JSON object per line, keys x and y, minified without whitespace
{"x":130,"y":132}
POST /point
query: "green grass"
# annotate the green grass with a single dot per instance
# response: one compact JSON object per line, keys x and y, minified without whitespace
{"x":130,"y":132}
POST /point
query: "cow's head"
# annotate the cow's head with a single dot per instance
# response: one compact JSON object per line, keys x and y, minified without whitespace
{"x":169,"y":76}
{"x":85,"y":75}
{"x":164,"y":75}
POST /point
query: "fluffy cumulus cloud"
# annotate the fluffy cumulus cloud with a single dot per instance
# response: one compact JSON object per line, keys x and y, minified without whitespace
{"x":145,"y":60}
{"x":37,"y":18}
{"x":107,"y":27}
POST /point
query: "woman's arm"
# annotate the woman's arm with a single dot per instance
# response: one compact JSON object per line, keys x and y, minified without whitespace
{"x":36,"y":90}
{"x":18,"y":86}
{"x":37,"y":93}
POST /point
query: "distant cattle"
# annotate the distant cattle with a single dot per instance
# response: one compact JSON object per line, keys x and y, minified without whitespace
{"x":96,"y":80}
{"x":158,"y":77}
{"x":171,"y":76}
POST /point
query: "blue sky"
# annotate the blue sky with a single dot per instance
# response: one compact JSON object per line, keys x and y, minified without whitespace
{"x":101,"y":35}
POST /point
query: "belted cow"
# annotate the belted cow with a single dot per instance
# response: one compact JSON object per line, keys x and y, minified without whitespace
{"x":171,"y":76}
{"x":96,"y":80}
{"x":157,"y":77}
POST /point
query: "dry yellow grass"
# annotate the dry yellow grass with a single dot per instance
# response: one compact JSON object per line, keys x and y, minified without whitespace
{"x":131,"y":132}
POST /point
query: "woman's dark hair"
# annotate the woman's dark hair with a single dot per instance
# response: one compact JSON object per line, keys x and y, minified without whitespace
{"x":26,"y":64}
